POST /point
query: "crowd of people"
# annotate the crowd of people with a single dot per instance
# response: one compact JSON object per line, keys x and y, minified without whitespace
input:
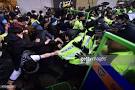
{"x":34,"y":36}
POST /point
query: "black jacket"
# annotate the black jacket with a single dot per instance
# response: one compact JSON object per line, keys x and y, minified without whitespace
{"x":128,"y":33}
{"x":16,"y":46}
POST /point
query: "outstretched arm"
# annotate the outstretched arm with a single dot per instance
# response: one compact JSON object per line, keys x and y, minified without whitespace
{"x":46,"y":55}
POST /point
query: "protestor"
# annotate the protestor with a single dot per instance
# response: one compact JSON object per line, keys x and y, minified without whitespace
{"x":19,"y":42}
{"x":42,"y":34}
{"x":78,"y":25}
{"x":128,"y":29}
{"x":69,"y":31}
{"x":41,"y":18}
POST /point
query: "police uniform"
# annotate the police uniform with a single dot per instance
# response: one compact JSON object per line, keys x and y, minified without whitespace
{"x":78,"y":25}
{"x":70,"y":51}
{"x":118,"y":12}
{"x":123,"y":62}
{"x":3,"y":36}
{"x":108,"y":21}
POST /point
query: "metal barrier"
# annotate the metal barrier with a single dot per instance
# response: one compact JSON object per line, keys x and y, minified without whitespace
{"x":104,"y":73}
{"x":124,"y":42}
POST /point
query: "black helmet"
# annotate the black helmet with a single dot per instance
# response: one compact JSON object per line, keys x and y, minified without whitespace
{"x":105,"y":3}
{"x":81,"y":14}
{"x":28,"y":65}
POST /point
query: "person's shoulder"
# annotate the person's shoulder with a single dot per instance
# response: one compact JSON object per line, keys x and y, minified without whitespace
{"x":131,"y":25}
{"x":77,"y":21}
{"x":12,"y":37}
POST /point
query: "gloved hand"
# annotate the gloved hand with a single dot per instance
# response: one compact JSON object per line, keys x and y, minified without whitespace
{"x":35,"y":57}
{"x":78,"y":55}
{"x":78,"y":44}
{"x":85,"y":50}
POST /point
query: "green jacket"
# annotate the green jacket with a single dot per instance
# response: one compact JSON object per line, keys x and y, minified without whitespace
{"x":69,"y":51}
{"x":123,"y":62}
{"x":78,"y":25}
{"x":108,"y":21}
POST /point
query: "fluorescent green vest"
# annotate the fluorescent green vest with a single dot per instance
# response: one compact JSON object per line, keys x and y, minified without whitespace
{"x":33,"y":20}
{"x":69,"y":51}
{"x":108,"y":21}
{"x":118,"y":11}
{"x":3,"y":36}
{"x":78,"y":25}
{"x":123,"y":62}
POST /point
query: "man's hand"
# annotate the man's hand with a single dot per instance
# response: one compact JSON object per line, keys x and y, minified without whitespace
{"x":47,"y":41}
{"x":10,"y":85}
{"x":55,"y":53}
{"x":25,"y":31}
{"x":58,"y":40}
{"x":10,"y":82}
